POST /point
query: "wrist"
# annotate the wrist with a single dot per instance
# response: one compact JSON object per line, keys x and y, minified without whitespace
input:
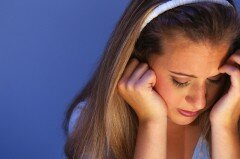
{"x":225,"y":127}
{"x":153,"y":121}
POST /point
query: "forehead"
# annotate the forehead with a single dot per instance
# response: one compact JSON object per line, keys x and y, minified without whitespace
{"x":200,"y":59}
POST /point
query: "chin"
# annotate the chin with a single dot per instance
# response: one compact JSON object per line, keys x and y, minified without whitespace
{"x":182,"y":121}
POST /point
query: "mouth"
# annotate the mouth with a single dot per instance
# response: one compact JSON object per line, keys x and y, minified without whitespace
{"x":188,"y":113}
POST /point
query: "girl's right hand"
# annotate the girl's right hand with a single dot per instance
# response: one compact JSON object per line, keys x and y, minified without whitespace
{"x":136,"y":88}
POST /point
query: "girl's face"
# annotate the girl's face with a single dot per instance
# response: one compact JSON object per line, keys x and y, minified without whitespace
{"x":194,"y":64}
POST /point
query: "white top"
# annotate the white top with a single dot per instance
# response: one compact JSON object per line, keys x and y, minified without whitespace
{"x":201,"y":150}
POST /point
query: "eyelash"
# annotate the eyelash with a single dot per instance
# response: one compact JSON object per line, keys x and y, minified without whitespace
{"x":178,"y":84}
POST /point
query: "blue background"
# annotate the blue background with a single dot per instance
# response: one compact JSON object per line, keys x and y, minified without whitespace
{"x":48,"y":50}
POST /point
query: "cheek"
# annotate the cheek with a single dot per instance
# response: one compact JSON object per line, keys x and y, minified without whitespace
{"x":166,"y":89}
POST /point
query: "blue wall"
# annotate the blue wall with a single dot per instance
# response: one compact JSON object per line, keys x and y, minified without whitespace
{"x":48,"y":49}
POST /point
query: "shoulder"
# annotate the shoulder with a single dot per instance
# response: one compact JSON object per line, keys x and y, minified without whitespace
{"x":75,"y":114}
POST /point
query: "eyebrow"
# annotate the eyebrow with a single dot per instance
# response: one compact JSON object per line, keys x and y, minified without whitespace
{"x":189,"y":75}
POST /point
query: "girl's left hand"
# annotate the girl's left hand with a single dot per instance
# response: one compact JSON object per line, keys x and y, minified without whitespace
{"x":226,"y":111}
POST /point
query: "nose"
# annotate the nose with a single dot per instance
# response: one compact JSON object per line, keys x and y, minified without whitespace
{"x":197,"y":97}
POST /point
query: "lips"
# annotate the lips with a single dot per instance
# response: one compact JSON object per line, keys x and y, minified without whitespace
{"x":188,"y":113}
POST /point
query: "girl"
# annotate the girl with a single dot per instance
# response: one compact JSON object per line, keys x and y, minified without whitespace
{"x":167,"y":86}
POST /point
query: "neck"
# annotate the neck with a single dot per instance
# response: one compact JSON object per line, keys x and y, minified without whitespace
{"x":175,"y":130}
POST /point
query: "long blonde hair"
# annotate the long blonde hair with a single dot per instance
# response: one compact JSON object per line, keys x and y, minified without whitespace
{"x":107,"y":126}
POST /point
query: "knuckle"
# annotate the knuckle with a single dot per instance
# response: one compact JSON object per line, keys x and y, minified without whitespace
{"x":145,"y":65}
{"x":151,"y":72}
{"x":130,"y":86}
{"x":133,"y":60}
{"x":121,"y":85}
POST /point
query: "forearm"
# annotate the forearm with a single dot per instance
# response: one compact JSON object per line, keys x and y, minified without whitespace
{"x":225,"y":143}
{"x":151,"y":140}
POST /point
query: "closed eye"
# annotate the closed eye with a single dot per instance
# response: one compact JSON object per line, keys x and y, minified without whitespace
{"x":179,"y":84}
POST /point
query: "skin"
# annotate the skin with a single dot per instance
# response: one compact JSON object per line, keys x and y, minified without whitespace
{"x":150,"y":91}
{"x":200,"y":59}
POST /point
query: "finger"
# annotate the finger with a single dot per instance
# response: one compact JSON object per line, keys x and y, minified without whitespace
{"x":149,"y":78}
{"x":234,"y":74}
{"x":131,"y":66}
{"x":234,"y":58}
{"x":138,"y":72}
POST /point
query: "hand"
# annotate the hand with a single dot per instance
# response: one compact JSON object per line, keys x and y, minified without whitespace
{"x":136,"y":87}
{"x":226,"y":111}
